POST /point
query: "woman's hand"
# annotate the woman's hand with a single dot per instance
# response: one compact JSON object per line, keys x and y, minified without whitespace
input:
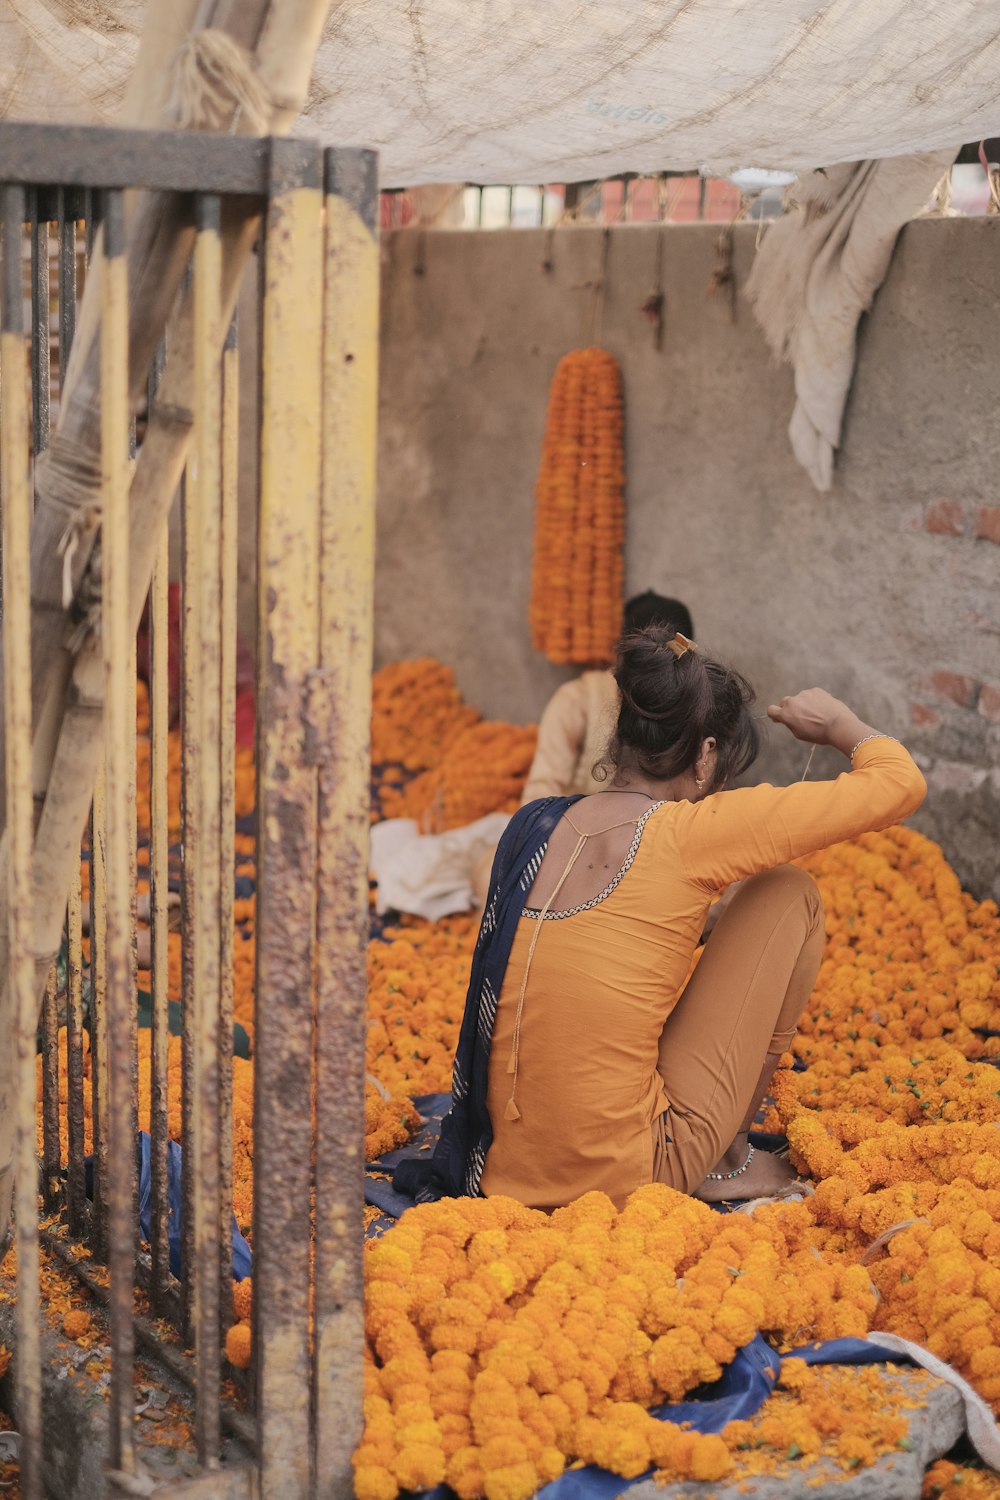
{"x":818,"y":718}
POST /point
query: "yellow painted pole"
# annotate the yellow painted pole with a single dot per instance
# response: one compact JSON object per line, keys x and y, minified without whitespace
{"x":201,"y":1140}
{"x":119,"y":731}
{"x":17,"y":507}
{"x":347,"y":576}
{"x":287,"y":745}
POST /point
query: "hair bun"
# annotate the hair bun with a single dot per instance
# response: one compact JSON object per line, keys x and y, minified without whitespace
{"x":673,"y":698}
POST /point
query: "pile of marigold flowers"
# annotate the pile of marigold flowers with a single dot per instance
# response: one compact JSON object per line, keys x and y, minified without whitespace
{"x":504,"y":1345}
{"x":417,"y":980}
{"x":577,"y":568}
{"x":417,"y":711}
{"x":894,"y":1119}
{"x":949,"y":1481}
{"x":482,"y":771}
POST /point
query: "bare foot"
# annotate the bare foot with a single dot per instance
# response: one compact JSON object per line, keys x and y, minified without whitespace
{"x":766,"y":1176}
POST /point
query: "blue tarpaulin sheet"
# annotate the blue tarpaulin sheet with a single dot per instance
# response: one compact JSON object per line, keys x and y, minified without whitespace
{"x":241,"y":1250}
{"x":739,"y":1392}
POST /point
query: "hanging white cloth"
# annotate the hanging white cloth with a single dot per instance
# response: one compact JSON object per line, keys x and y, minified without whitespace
{"x":818,"y":270}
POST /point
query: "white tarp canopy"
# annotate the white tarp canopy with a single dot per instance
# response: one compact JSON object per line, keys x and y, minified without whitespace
{"x":568,"y":90}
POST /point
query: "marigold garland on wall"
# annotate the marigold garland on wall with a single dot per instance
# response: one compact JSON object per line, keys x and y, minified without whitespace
{"x":577,"y":570}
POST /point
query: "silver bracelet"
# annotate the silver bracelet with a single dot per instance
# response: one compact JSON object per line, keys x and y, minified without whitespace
{"x":868,"y":737}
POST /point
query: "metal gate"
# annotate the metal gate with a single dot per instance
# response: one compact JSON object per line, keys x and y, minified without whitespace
{"x":84,"y":544}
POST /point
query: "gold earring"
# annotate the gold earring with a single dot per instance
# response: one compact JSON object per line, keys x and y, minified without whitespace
{"x":699,"y":782}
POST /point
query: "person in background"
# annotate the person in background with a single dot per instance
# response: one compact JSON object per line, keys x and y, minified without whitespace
{"x":578,"y":721}
{"x":574,"y":730}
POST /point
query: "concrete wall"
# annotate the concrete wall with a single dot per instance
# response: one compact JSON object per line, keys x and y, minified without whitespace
{"x":881,"y":591}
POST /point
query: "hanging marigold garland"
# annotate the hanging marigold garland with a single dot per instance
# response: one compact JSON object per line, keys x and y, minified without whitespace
{"x":578,"y":572}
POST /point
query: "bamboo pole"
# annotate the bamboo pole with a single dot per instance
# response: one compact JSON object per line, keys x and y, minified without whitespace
{"x":66,"y":765}
{"x":67,"y":485}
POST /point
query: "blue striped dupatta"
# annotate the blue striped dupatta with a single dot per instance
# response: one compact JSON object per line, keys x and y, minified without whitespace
{"x":455,"y":1168}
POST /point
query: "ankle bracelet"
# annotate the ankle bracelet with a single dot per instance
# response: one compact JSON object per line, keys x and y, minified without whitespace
{"x":726,"y":1176}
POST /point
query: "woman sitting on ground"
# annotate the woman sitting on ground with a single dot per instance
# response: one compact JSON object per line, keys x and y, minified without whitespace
{"x":578,"y":1067}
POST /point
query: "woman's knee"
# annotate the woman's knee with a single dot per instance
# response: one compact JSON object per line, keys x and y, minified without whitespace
{"x":786,"y":883}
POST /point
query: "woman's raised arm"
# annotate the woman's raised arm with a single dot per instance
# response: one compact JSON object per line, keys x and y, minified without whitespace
{"x":733,"y":834}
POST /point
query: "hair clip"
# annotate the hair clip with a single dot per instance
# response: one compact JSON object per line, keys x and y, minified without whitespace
{"x":680,"y":645}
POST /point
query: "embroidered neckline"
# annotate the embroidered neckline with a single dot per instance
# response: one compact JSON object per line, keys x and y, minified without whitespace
{"x":534,"y":912}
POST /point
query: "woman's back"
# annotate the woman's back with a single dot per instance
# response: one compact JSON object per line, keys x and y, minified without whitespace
{"x":604,"y":826}
{"x":573,"y":1085}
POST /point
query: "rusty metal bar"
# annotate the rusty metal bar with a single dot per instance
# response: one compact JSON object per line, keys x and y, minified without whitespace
{"x":347,"y":577}
{"x":91,"y":220}
{"x":229,"y":524}
{"x":119,"y":731}
{"x":78,"y":1211}
{"x":201,"y":1126}
{"x":40,"y":355}
{"x":288,"y":548}
{"x":132,"y":814}
{"x":191,"y":750}
{"x":159,"y":857}
{"x":99,"y":1019}
{"x":159,"y":160}
{"x":51,"y":1152}
{"x":67,"y":285}
{"x":76,"y":1178}
{"x":16,"y":507}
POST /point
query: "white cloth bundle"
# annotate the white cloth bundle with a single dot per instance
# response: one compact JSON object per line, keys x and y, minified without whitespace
{"x":429,"y":875}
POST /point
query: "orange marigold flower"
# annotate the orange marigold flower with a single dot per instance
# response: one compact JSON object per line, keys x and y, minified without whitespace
{"x":76,"y":1323}
{"x":238,"y":1345}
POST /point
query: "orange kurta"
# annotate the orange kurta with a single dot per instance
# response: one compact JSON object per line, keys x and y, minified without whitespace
{"x":604,"y":979}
